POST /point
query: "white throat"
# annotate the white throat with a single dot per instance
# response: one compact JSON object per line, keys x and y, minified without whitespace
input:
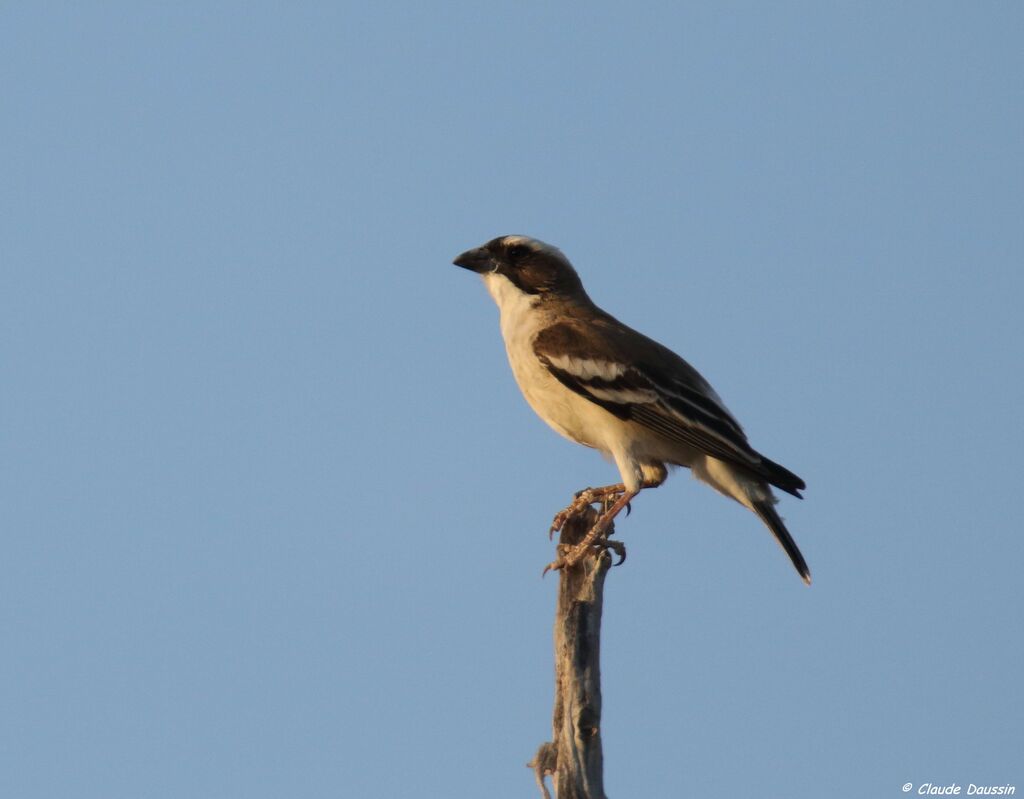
{"x":516,"y":306}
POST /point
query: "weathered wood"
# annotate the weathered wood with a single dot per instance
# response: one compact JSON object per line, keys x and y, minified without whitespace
{"x":574,"y":756}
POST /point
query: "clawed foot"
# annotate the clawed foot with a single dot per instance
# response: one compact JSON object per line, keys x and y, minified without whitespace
{"x":588,"y":496}
{"x":569,"y":556}
{"x":614,"y":499}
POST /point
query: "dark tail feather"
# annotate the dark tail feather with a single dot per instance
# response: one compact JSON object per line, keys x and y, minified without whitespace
{"x":781,"y":477}
{"x":771,"y":518}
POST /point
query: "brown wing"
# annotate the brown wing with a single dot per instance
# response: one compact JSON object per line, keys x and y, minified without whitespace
{"x":649,"y":384}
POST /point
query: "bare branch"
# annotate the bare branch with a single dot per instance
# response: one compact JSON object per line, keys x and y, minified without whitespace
{"x":575,"y":757}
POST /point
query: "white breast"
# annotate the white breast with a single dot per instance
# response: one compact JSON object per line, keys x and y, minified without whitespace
{"x":565,"y":411}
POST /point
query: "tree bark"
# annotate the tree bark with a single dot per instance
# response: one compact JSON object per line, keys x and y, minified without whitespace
{"x":574,"y":755}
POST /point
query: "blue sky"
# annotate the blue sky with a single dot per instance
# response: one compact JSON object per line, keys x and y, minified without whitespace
{"x":274,"y":510}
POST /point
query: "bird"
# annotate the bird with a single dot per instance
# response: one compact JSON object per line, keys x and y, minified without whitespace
{"x":600,"y":383}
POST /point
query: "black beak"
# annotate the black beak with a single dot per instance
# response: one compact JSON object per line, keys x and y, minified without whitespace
{"x":478,"y":260}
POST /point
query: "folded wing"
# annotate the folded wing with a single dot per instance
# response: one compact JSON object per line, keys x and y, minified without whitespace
{"x":651,"y":386}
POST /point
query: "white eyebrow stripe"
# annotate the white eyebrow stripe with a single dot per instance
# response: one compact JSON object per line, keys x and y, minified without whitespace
{"x":534,"y":244}
{"x":586,"y":368}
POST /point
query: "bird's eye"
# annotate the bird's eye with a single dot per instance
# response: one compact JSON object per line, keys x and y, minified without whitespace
{"x":516,"y":251}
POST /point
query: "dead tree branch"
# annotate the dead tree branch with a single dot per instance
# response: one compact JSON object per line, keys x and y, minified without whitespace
{"x":574,"y":755}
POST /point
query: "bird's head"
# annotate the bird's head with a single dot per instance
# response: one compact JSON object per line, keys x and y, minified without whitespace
{"x":530,"y":265}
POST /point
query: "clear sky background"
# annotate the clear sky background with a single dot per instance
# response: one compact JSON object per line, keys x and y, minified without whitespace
{"x":274,"y":513}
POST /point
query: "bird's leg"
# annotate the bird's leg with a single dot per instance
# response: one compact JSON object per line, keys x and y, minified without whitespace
{"x":587,"y":496}
{"x":595,"y":536}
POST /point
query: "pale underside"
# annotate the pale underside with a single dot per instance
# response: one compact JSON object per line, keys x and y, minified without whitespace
{"x":640,"y":454}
